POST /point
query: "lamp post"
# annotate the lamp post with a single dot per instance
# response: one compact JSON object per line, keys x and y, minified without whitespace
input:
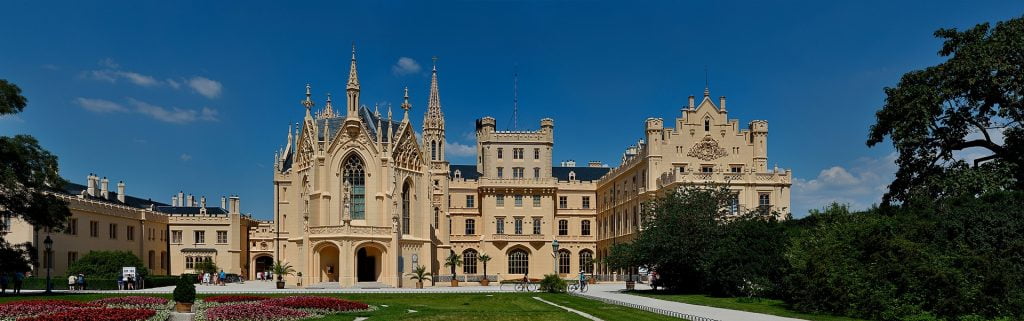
{"x":48,"y":243}
{"x":554,"y":254}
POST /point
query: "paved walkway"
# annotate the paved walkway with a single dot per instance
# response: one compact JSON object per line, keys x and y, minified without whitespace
{"x":610,"y":293}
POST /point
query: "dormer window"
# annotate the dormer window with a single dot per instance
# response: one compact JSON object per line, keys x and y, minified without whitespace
{"x":707,"y":125}
{"x":458,"y":174}
{"x":572,"y":175}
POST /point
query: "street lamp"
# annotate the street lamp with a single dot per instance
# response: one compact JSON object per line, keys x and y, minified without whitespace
{"x":48,"y":243}
{"x":554,"y":254}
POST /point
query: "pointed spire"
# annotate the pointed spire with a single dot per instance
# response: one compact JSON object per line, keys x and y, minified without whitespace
{"x":308,"y":103}
{"x":328,"y":111}
{"x":434,"y":117}
{"x":391,"y":135}
{"x":353,"y":76}
{"x":406,"y":105}
{"x":352,"y":89}
{"x":707,"y":92}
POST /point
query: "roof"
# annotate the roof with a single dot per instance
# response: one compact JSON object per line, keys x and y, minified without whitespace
{"x":335,"y":124}
{"x":465,"y":171}
{"x":582,"y":173}
{"x":190,"y":210}
{"x":76,"y":189}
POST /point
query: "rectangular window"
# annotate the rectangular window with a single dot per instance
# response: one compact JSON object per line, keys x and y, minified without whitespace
{"x":176,"y":236}
{"x":586,"y":202}
{"x":499,"y":225}
{"x":536,"y":153}
{"x":736,"y":169}
{"x":585,"y":227}
{"x":470,"y":227}
{"x":501,"y":172}
{"x":536,"y":172}
{"x":72,"y":257}
{"x":130,"y":233}
{"x":72,"y":227}
{"x":518,"y":226}
{"x":113,"y":231}
{"x":200,"y":237}
{"x":517,"y":153}
{"x":563,"y":227}
{"x":500,"y":151}
{"x":470,"y":201}
{"x":519,"y":200}
{"x":563,"y":202}
{"x":536,"y":226}
{"x":734,"y":204}
{"x":222,"y":237}
{"x":536,"y":201}
{"x":764,"y":199}
{"x":707,"y":169}
{"x":682,"y":169}
{"x":517,"y":172}
{"x":94,"y":229}
{"x":499,"y":200}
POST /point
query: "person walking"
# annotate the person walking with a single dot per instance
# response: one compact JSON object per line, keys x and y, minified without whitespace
{"x":131,"y":282}
{"x":3,"y":283}
{"x":206,"y":278}
{"x":80,"y":281}
{"x":18,"y":278}
{"x":120,"y":282}
{"x":221,"y":277}
{"x":71,"y":282}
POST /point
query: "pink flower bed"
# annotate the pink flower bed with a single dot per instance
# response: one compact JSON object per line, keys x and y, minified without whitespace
{"x":316,"y":302}
{"x":95,"y":314}
{"x":131,"y":300}
{"x":234,"y":298}
{"x":253,"y":311}
{"x":37,"y":307}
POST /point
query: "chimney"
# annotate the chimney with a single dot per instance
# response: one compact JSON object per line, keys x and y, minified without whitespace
{"x":691,"y":102}
{"x":235,"y":204}
{"x":90,"y":185}
{"x":223,"y":202}
{"x":120,"y":191}
{"x":174,"y":200}
{"x":181,"y":198}
{"x":721,"y":103}
{"x":104,"y":191}
{"x":191,"y":200}
{"x":202,"y":201}
{"x":594,"y":164}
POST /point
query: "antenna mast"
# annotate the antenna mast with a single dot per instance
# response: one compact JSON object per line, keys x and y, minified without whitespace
{"x":515,"y":100}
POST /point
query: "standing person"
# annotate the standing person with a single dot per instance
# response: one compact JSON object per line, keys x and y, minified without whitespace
{"x":3,"y":283}
{"x":206,"y":278}
{"x":18,"y":278}
{"x":259,"y":276}
{"x":81,"y":281}
{"x":120,"y":282}
{"x":221,"y":277}
{"x":71,"y":282}
{"x":270,"y":275}
{"x":131,"y":282}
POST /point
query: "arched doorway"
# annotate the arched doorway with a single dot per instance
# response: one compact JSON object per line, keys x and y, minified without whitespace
{"x":327,"y":263}
{"x":262,"y":263}
{"x":368,"y":264}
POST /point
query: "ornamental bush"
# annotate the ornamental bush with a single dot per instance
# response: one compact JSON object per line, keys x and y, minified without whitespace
{"x":552,"y":283}
{"x":107,"y":265}
{"x":131,"y":300}
{"x":96,"y":314}
{"x":253,"y":311}
{"x":185,"y":291}
{"x":316,"y":302}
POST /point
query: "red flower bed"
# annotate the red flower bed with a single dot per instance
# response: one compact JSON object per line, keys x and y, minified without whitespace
{"x":234,"y":298}
{"x":316,"y":302}
{"x":96,"y":314}
{"x":37,"y":307}
{"x":253,"y":311}
{"x":131,"y":300}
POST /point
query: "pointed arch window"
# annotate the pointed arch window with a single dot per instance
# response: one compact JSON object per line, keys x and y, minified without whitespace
{"x":405,"y":209}
{"x":518,"y":262}
{"x":564,"y":257}
{"x":587,"y":261}
{"x":469,"y":261}
{"x":707,"y":125}
{"x":354,"y":174}
{"x":433,"y":150}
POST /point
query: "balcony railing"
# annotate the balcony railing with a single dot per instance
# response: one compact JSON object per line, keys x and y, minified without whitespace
{"x":518,"y":237}
{"x":514,"y":182}
{"x":350,"y":230}
{"x":673,"y":177}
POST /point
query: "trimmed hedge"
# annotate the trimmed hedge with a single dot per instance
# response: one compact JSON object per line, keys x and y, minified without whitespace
{"x":61,"y":282}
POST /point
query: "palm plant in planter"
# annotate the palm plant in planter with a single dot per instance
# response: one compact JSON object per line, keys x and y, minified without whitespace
{"x":184,"y":294}
{"x":280,"y":269}
{"x":419,"y":274}
{"x":453,"y":260}
{"x":483,"y":259}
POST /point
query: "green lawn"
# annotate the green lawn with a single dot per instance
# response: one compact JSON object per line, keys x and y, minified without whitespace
{"x":483,"y":306}
{"x":766,"y":306}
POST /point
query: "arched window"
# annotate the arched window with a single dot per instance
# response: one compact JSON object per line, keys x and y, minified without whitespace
{"x":355,"y":175}
{"x":518,"y":262}
{"x":707,"y":125}
{"x":563,"y":262}
{"x":433,"y":150}
{"x":437,"y":217}
{"x":405,"y":208}
{"x":469,"y":262}
{"x":152,"y":259}
{"x":587,"y":261}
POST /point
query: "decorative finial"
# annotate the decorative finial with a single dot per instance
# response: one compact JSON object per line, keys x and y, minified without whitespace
{"x":376,"y":112}
{"x":707,"y":92}
{"x":353,"y":51}
{"x":328,"y":98}
{"x":309,"y":101}
{"x":435,"y":63}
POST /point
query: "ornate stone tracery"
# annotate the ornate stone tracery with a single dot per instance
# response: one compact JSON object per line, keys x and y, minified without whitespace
{"x":707,"y":149}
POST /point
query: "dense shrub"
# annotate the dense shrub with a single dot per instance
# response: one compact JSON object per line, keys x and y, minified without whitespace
{"x":107,"y":265}
{"x":184,"y":291}
{"x":96,"y":314}
{"x":552,"y":283}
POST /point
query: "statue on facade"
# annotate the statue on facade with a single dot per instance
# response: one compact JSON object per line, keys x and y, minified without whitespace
{"x":346,"y":203}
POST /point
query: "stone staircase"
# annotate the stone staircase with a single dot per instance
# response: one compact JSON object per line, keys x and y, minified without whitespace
{"x":325,"y":285}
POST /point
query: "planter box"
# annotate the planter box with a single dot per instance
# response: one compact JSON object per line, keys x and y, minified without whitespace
{"x":455,"y":283}
{"x":280,"y":284}
{"x":182,"y":307}
{"x":485,"y":282}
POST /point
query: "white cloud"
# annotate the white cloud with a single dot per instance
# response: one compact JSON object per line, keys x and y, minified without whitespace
{"x":174,"y":84}
{"x":860,"y":186}
{"x":109,"y":63}
{"x":459,"y":150}
{"x":205,"y":86}
{"x":185,"y":157}
{"x":469,"y":136}
{"x":173,"y":115}
{"x":113,"y":72}
{"x":139,"y":79}
{"x":50,"y":67}
{"x":99,"y":105}
{"x":405,"y":66}
{"x":11,"y":118}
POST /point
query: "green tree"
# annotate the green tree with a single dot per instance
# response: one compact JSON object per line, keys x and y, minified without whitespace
{"x":27,"y":178}
{"x":107,"y":264}
{"x":281,"y":269}
{"x":962,"y":103}
{"x":453,"y":260}
{"x":484,"y":258}
{"x":206,"y":266}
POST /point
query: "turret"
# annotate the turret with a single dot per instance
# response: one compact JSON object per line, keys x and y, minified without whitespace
{"x":759,"y":138}
{"x":433,"y":120}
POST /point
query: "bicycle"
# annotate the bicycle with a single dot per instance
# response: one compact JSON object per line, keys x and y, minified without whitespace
{"x":526,"y":286}
{"x":579,"y":286}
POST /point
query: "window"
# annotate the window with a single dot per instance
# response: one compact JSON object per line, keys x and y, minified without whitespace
{"x":72,"y":257}
{"x":707,"y":169}
{"x":189,"y":262}
{"x":499,"y":225}
{"x":130,"y":233}
{"x":437,"y":217}
{"x":736,"y":169}
{"x":469,"y":201}
{"x":764,"y":199}
{"x":500,"y":151}
{"x":470,"y":226}
{"x":536,"y":226}
{"x":536,"y":153}
{"x":536,"y":201}
{"x":586,"y":202}
{"x":536,"y":172}
{"x":517,"y":153}
{"x":501,"y":172}
{"x":200,"y":237}
{"x":222,"y":237}
{"x":707,"y":125}
{"x":499,"y":200}
{"x":433,"y":150}
{"x":587,"y":261}
{"x":585,"y":227}
{"x":518,"y":225}
{"x":469,"y":262}
{"x":519,"y":200}
{"x":113,"y":231}
{"x":176,"y":236}
{"x":734,"y":204}
{"x":355,"y":176}
{"x":72,"y":226}
{"x":517,"y":172}
{"x":406,"y":216}
{"x":563,"y":261}
{"x":163,"y":260}
{"x":152,"y":259}
{"x":563,"y":227}
{"x":682,"y":169}
{"x":563,"y":202}
{"x":518,"y":262}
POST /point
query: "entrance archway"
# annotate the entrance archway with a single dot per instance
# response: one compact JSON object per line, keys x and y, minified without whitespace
{"x":368,"y":264}
{"x":328,"y":263}
{"x":263,"y":264}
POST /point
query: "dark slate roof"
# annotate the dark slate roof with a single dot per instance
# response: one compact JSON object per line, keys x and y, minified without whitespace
{"x":582,"y":173}
{"x":369,"y":121}
{"x":76,"y":189}
{"x":467,"y":171}
{"x":288,"y":159}
{"x":190,"y":210}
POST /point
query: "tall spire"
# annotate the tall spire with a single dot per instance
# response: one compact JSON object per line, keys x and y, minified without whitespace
{"x":433,"y":120}
{"x":308,"y":103}
{"x":353,"y":87}
{"x":434,"y":103}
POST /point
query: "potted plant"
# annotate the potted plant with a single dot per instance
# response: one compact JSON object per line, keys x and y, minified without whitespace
{"x":453,"y":260}
{"x":280,"y":269}
{"x":483,"y":259}
{"x":299,"y":274}
{"x":184,"y":295}
{"x":419,"y":274}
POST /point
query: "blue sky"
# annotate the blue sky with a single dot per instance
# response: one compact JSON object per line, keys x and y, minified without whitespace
{"x":197,"y":96}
